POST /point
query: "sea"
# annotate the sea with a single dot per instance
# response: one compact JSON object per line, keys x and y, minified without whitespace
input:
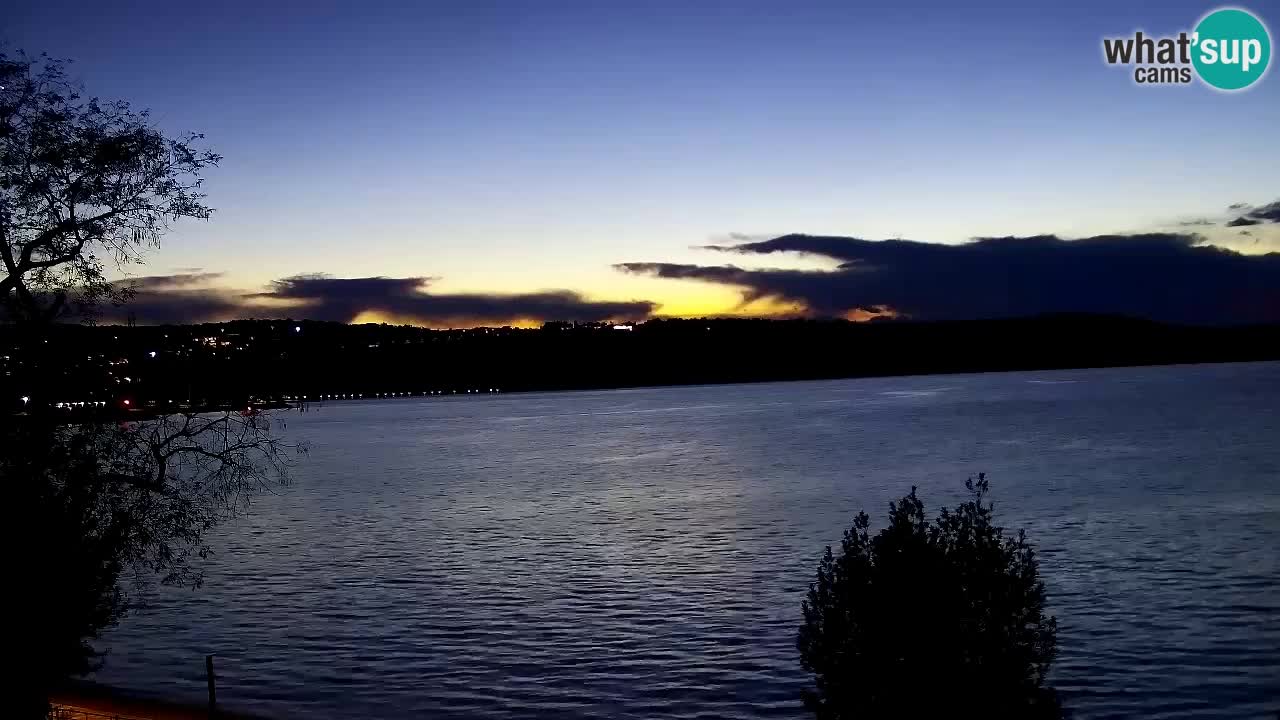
{"x":643,"y":553}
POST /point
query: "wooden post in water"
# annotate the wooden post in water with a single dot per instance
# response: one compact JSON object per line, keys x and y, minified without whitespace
{"x":213,"y":696}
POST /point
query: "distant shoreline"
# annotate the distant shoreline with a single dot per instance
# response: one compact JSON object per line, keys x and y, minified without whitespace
{"x":766,"y":381}
{"x":143,"y":414}
{"x":130,"y":373}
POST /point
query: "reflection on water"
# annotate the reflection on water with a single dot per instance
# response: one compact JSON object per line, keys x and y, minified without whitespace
{"x":643,"y":553}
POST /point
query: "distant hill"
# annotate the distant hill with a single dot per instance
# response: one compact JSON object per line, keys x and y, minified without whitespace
{"x":230,"y":364}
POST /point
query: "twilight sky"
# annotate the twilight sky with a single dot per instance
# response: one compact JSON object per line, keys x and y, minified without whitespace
{"x":507,"y":161}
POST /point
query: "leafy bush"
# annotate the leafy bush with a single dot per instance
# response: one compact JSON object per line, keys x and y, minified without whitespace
{"x":929,"y":619}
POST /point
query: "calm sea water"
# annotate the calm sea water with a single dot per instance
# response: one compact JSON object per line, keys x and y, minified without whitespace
{"x":644,"y":553}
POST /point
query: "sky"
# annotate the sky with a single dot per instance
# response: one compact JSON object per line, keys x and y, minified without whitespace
{"x":488,"y":159}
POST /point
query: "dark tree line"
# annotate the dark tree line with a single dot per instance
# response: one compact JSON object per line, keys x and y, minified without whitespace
{"x":230,"y":363}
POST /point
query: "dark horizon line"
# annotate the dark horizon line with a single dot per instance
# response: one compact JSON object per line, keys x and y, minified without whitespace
{"x":236,"y":363}
{"x":544,"y":324}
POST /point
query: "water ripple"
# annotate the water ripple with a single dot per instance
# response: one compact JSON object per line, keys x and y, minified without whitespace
{"x":644,"y":554}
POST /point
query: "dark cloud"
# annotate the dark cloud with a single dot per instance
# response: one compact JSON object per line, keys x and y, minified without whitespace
{"x":187,"y":298}
{"x":1243,"y":221}
{"x":343,"y":299}
{"x":1269,"y":213}
{"x":179,"y":298}
{"x":1197,"y":222}
{"x":179,"y":281}
{"x":1170,"y":277}
{"x":749,"y":237}
{"x":1237,"y":206}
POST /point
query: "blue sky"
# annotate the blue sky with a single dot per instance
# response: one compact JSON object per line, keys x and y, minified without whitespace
{"x":519,"y":146}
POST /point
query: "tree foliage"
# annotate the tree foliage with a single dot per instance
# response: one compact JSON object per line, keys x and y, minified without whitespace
{"x":929,"y":619}
{"x":106,"y":509}
{"x":102,"y":508}
{"x":82,"y":182}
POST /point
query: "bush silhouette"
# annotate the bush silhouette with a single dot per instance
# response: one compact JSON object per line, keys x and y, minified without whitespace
{"x":929,"y":619}
{"x":71,"y":539}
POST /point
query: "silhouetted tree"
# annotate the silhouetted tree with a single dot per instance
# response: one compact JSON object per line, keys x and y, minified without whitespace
{"x":929,"y":619}
{"x":81,"y":181}
{"x":97,"y":508}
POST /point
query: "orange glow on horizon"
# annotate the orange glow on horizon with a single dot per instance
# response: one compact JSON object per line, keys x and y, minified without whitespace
{"x":376,"y":317}
{"x":863,"y":315}
{"x":671,"y":299}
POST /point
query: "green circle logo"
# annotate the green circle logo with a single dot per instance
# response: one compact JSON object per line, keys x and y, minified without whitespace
{"x":1231,"y":49}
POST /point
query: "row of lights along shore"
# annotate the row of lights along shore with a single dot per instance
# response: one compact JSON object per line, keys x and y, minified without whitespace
{"x":290,"y":398}
{"x":361,"y":396}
